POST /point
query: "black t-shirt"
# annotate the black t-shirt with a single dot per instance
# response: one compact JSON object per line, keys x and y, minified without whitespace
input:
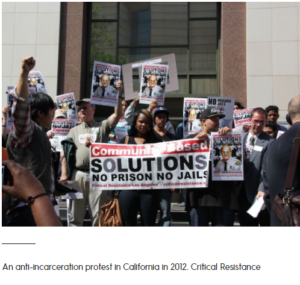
{"x":167,"y":136}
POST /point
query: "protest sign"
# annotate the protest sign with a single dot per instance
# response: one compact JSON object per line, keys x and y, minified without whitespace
{"x":242,"y":117}
{"x":67,"y":103}
{"x":62,"y":127}
{"x":176,"y":164}
{"x":105,"y":78}
{"x":192,"y":109}
{"x":56,"y":142}
{"x":169,"y":59}
{"x":227,"y":157}
{"x":10,"y":101}
{"x":36,"y":80}
{"x":224,"y":106}
{"x":153,"y":83}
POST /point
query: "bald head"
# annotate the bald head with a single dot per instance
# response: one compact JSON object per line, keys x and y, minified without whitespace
{"x":294,"y":109}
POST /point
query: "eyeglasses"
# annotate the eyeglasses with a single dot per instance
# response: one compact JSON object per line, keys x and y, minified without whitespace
{"x":105,"y":81}
{"x":256,"y":122}
{"x":193,"y":115}
{"x":152,"y":81}
{"x":226,"y":152}
{"x":82,"y":108}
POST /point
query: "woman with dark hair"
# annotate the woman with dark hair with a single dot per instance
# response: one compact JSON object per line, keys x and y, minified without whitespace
{"x":145,"y":201}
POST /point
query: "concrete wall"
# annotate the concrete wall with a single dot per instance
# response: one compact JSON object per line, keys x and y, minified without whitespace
{"x":273,"y":54}
{"x":30,"y":29}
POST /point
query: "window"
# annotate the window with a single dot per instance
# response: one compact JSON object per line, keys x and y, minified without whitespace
{"x":127,"y":32}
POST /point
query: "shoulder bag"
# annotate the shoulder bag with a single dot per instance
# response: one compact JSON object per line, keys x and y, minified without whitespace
{"x":287,"y":207}
{"x":110,"y":215}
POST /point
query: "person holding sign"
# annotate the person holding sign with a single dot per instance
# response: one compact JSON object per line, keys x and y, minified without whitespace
{"x":145,"y":201}
{"x":122,"y":128}
{"x":217,"y":202}
{"x":83,"y":136}
{"x":161,"y":117}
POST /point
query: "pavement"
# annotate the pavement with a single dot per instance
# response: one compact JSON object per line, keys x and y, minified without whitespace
{"x":179,"y":216}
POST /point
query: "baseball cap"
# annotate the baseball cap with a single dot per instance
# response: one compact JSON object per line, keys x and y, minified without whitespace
{"x":161,"y":110}
{"x":211,"y":112}
{"x":84,"y":100}
{"x":60,"y":113}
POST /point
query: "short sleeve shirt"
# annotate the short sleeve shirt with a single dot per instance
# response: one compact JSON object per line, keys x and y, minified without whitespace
{"x":97,"y":131}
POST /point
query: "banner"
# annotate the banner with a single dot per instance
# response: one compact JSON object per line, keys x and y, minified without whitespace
{"x":105,"y":78}
{"x":36,"y":81}
{"x":242,"y":117}
{"x":68,"y":104}
{"x":225,"y":106}
{"x":192,"y":109}
{"x":153,"y":83}
{"x":176,"y":164}
{"x":62,"y":127}
{"x":227,"y":157}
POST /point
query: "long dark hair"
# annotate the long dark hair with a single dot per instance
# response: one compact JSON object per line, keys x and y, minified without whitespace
{"x":151,"y":137}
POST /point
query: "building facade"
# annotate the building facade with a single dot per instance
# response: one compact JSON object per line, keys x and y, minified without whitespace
{"x":248,"y":51}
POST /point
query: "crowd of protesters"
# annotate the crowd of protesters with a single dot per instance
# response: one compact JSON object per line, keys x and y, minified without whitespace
{"x":35,"y":168}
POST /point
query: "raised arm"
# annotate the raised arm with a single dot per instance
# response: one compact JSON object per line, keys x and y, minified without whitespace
{"x":115,"y":117}
{"x":28,"y":64}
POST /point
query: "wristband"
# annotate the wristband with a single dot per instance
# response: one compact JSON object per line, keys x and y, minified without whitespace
{"x":31,"y":199}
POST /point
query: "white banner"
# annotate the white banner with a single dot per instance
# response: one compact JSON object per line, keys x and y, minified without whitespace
{"x":227,"y":157}
{"x":176,"y":164}
{"x":192,"y":109}
{"x":105,"y":78}
{"x":153,"y":83}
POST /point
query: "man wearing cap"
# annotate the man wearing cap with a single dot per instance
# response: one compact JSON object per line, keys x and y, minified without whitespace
{"x":83,"y":135}
{"x":153,"y":90}
{"x":106,"y":90}
{"x":161,"y":117}
{"x":217,"y":202}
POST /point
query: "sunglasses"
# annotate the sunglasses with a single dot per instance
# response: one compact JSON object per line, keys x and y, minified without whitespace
{"x":82,"y":108}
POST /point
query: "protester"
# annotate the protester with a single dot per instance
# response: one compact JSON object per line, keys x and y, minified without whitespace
{"x":238,"y":106}
{"x":129,"y":114}
{"x":122,"y":124}
{"x":256,"y":143}
{"x":83,"y":136}
{"x":28,"y":189}
{"x":273,"y":116}
{"x":270,"y":129}
{"x":277,"y":159}
{"x":145,"y":201}
{"x":4,"y":124}
{"x":217,"y":202}
{"x":161,"y":117}
{"x":28,"y":144}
